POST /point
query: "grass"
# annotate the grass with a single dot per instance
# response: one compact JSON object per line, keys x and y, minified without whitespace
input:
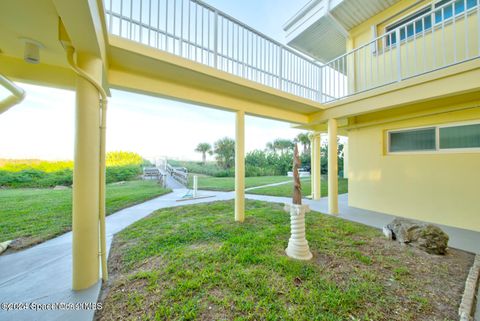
{"x":196,"y":263}
{"x":228,"y":183}
{"x":36,"y":215}
{"x":286,"y":189}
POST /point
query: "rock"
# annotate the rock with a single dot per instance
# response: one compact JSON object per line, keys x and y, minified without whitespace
{"x":60,"y":188}
{"x":427,"y":237}
{"x":387,"y":232}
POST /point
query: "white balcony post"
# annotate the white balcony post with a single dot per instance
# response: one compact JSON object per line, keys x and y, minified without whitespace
{"x":399,"y":55}
{"x":215,"y":41}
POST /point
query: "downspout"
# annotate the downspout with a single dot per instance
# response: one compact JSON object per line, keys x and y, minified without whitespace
{"x":103,"y":125}
{"x":17,"y":94}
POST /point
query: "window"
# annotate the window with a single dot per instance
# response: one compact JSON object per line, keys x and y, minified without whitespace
{"x":421,"y":20}
{"x":446,"y":12}
{"x":412,"y":140}
{"x":466,"y":136}
{"x":437,"y":138}
{"x":411,"y":25}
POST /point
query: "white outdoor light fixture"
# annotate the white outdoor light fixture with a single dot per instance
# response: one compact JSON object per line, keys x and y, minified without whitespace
{"x":32,"y":50}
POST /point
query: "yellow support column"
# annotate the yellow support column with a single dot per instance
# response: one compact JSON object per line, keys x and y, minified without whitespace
{"x":317,"y":185}
{"x":332,"y":167}
{"x":345,"y":159}
{"x":85,"y":247}
{"x":240,"y":167}
{"x":311,"y":136}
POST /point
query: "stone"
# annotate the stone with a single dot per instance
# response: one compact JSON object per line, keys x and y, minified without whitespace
{"x":60,"y":188}
{"x":427,"y":237}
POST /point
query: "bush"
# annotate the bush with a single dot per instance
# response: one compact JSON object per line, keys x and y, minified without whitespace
{"x":120,"y":158}
{"x":122,"y":173}
{"x":35,"y":178}
{"x":121,"y":166}
{"x":210,"y":168}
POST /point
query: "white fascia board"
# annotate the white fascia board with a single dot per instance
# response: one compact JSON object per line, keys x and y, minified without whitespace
{"x":311,"y":13}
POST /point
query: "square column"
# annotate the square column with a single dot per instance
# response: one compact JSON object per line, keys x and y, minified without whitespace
{"x":332,"y":167}
{"x":345,"y":159}
{"x":85,"y":210}
{"x":311,"y":136}
{"x":317,"y":173}
{"x":240,"y":166}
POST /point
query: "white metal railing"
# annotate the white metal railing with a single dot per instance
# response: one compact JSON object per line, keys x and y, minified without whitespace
{"x":194,"y":30}
{"x":444,"y":35}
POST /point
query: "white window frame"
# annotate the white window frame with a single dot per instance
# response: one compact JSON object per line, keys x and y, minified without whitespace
{"x":434,"y":23}
{"x":437,"y":150}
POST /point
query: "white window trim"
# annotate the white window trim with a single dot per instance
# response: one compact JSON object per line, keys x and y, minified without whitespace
{"x":435,"y":24}
{"x":437,"y":150}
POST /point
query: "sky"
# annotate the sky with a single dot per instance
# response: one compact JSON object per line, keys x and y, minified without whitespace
{"x":42,"y":126}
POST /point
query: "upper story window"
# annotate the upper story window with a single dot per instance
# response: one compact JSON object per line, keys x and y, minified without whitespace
{"x":458,"y":7}
{"x":421,"y":20}
{"x":411,"y":25}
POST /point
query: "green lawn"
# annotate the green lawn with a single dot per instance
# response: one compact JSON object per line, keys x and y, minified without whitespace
{"x":228,"y":183}
{"x":196,"y":263}
{"x":286,"y":189}
{"x":36,"y":215}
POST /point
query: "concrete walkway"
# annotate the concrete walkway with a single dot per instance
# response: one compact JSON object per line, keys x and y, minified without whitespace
{"x":267,"y":185}
{"x":42,"y":274}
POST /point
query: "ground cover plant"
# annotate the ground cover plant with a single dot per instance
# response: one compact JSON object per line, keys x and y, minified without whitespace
{"x":196,"y":263}
{"x":31,"y":216}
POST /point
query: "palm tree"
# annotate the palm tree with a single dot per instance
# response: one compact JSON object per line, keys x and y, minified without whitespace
{"x":304,"y":140}
{"x":204,"y":148}
{"x":283,"y":145}
{"x":271,"y":147}
{"x":225,"y":152}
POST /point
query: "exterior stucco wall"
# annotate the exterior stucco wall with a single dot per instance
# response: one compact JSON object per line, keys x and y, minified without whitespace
{"x":436,"y":187}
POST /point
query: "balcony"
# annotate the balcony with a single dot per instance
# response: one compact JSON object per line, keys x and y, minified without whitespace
{"x":191,"y":29}
{"x":445,"y":36}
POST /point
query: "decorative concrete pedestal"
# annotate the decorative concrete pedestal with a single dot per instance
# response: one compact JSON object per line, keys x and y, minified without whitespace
{"x":298,"y":245}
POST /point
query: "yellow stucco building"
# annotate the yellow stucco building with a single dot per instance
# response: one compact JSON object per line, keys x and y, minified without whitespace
{"x":400,"y":79}
{"x":403,"y":85}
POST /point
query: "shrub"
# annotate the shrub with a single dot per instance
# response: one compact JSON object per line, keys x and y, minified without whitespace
{"x":122,"y":173}
{"x":121,"y":166}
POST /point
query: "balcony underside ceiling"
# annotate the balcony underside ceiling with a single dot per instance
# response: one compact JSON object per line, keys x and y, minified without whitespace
{"x":351,"y":13}
{"x":321,"y":28}
{"x":139,"y":68}
{"x":33,"y":19}
{"x":40,"y":20}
